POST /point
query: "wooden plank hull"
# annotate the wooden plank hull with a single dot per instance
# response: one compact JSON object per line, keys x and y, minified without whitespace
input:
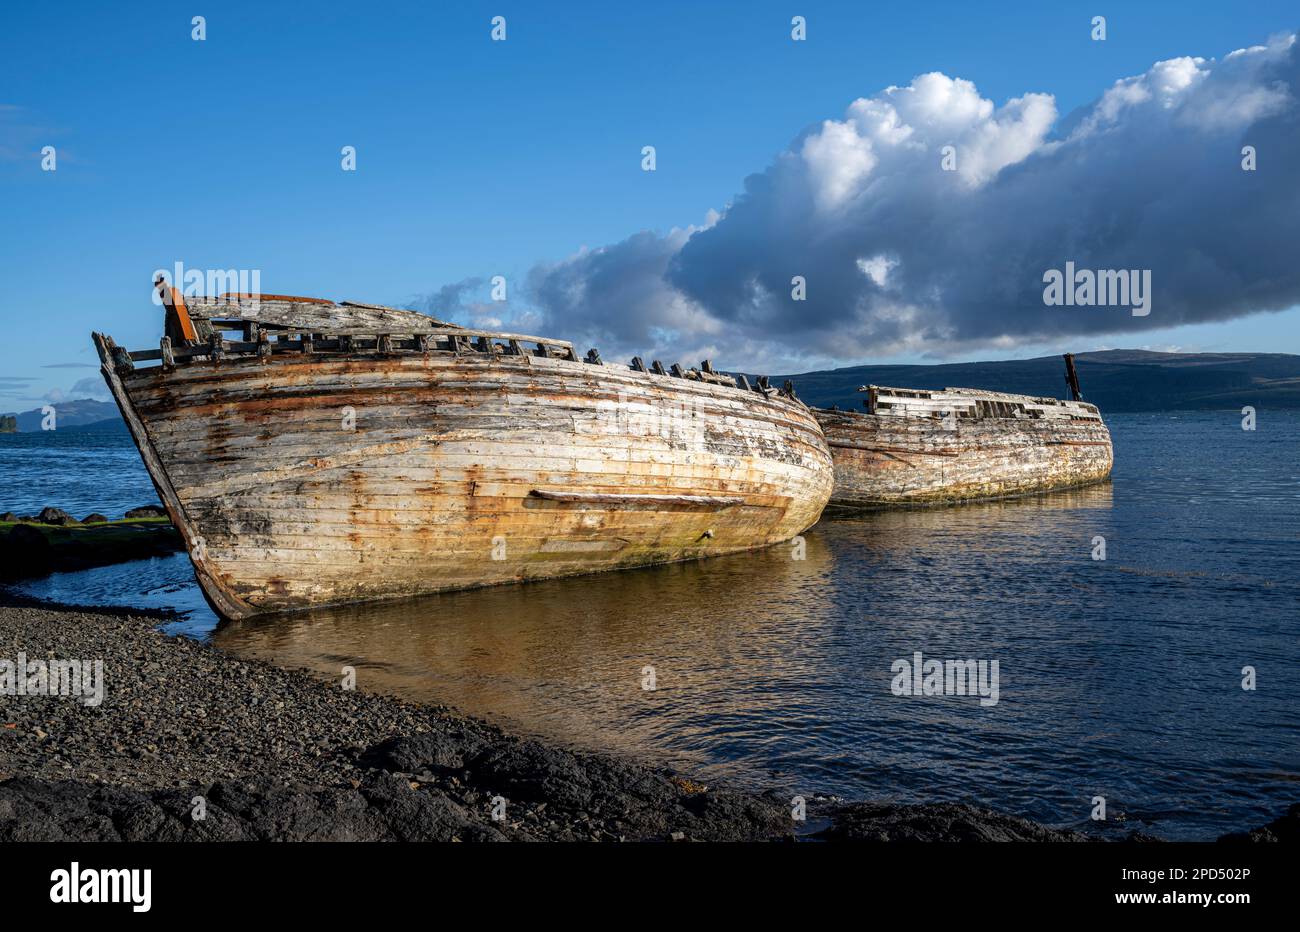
{"x":883,"y":460}
{"x":303,"y":480}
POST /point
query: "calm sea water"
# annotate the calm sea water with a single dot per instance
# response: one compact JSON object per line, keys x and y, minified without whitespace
{"x":77,"y":471}
{"x":1119,"y":678}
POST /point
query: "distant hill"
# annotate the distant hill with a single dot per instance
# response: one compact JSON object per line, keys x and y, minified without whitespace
{"x":82,"y":412}
{"x":1114,"y":380}
{"x":113,"y":425}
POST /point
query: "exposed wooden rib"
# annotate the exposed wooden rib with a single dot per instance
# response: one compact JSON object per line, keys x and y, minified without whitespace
{"x":366,"y":341}
{"x":971,"y":402}
{"x":611,"y":498}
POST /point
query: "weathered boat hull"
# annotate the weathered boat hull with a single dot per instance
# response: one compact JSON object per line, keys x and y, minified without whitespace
{"x":301,"y":480}
{"x":886,"y":460}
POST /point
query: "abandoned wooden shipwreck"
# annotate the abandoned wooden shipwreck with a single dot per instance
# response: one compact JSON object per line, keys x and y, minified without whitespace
{"x":917,"y":447}
{"x":314,"y":453}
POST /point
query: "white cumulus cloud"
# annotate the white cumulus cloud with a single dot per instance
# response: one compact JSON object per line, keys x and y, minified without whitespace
{"x":900,"y":254}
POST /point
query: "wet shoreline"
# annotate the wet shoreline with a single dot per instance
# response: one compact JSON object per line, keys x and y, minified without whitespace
{"x":194,"y":744}
{"x":279,"y":754}
{"x":34,"y":546}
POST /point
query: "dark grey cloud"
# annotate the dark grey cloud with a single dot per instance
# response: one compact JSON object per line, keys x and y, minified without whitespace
{"x":450,"y":302}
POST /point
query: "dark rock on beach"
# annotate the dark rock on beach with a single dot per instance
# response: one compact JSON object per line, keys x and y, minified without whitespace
{"x":1287,"y":828}
{"x":58,"y":542}
{"x":935,"y":822}
{"x":279,"y":754}
{"x":24,"y":551}
{"x":381,"y":808}
{"x":439,"y":752}
{"x":147,"y":511}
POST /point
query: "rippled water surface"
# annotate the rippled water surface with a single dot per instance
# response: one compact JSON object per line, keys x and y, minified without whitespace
{"x":1118,"y":678}
{"x":78,"y":471}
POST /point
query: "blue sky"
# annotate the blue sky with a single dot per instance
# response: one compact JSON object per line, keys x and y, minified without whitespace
{"x":474,"y":158}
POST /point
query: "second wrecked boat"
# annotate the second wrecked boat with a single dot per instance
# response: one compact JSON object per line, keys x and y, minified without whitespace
{"x":920,"y":447}
{"x":336,"y":453}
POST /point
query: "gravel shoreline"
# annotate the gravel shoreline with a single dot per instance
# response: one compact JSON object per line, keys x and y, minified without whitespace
{"x":267,"y":753}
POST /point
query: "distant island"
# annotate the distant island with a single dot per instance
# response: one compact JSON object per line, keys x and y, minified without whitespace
{"x":82,"y":414}
{"x":8,"y":424}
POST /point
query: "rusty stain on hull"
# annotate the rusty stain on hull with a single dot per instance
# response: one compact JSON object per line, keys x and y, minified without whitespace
{"x":302,"y":479}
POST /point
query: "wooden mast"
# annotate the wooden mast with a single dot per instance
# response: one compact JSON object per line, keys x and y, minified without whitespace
{"x":1072,"y":378}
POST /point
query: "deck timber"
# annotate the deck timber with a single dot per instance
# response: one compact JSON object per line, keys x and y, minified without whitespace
{"x":889,"y":460}
{"x":302,"y":479}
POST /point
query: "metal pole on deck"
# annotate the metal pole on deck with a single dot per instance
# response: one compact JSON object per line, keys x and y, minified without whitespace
{"x":1072,"y":378}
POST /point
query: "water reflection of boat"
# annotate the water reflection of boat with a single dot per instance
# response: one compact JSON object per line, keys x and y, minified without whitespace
{"x":752,"y":652}
{"x":564,"y":658}
{"x":1028,"y":514}
{"x":624,"y":614}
